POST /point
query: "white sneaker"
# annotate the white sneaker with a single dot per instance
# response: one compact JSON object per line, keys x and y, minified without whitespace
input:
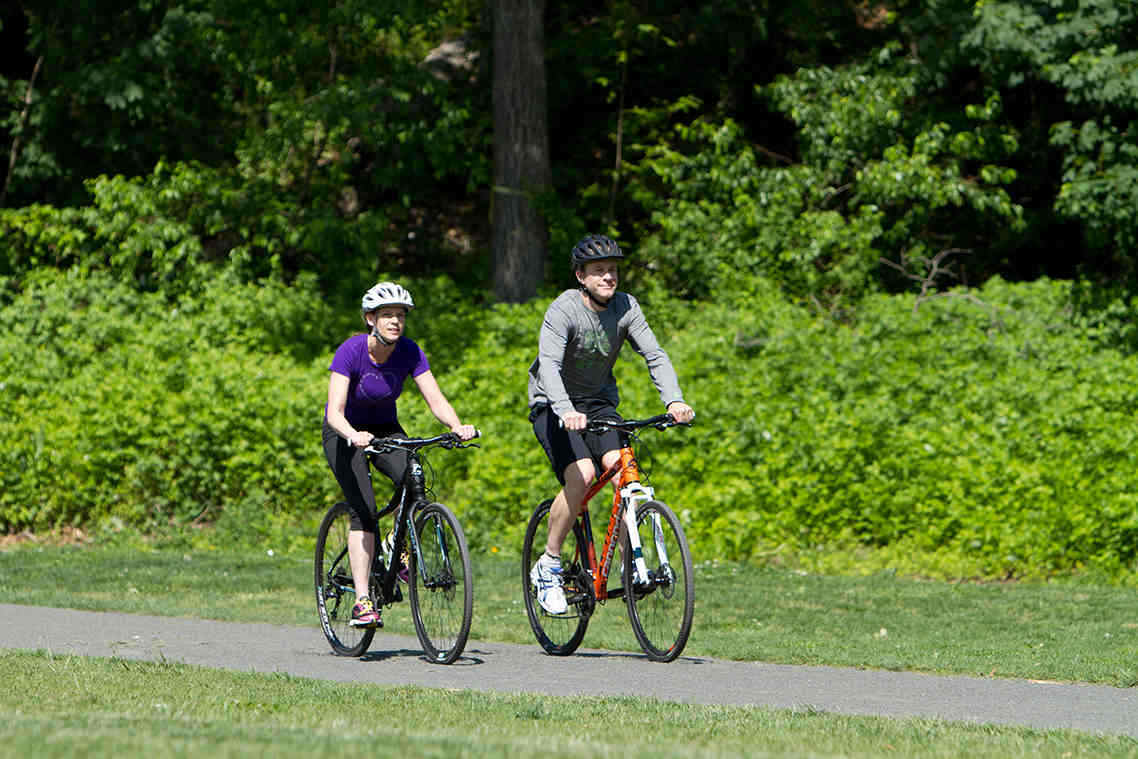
{"x":546,"y":576}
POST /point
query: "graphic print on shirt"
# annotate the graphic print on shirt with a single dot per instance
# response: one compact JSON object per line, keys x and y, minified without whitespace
{"x":380,"y":384}
{"x":593,"y":346}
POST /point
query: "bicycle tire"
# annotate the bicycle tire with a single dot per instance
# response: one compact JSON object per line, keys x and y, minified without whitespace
{"x":558,"y":634}
{"x":335,"y":593}
{"x":661,"y":613}
{"x":441,"y":584}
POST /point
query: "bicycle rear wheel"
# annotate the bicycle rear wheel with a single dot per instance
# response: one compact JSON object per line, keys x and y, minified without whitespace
{"x":558,"y":634}
{"x":441,"y":584}
{"x":335,"y":591}
{"x":660,"y":610}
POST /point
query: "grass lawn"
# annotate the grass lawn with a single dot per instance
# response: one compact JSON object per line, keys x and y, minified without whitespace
{"x":62,"y":707}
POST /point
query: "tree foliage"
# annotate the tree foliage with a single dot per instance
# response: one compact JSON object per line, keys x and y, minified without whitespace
{"x":130,"y":86}
{"x":876,"y":180}
{"x":993,"y":127}
{"x":322,"y":126}
{"x":1087,"y":52}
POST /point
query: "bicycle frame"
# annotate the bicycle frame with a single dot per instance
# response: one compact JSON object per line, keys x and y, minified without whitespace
{"x":387,"y":576}
{"x":629,"y":492}
{"x":408,"y":498}
{"x":403,"y":506}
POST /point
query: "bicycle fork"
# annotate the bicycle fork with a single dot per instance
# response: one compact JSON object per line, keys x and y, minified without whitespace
{"x":630,"y":495}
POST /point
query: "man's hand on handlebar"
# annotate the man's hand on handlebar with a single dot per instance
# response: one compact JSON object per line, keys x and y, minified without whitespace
{"x":574,"y":420}
{"x":681,"y":412}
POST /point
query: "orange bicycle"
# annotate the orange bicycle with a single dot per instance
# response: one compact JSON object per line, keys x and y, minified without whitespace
{"x":656,"y":566}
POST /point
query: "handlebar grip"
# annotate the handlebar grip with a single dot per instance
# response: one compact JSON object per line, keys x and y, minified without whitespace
{"x":455,"y":439}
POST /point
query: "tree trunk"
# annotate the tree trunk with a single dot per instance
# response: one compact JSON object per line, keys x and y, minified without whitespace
{"x":14,"y":154}
{"x":521,"y":148}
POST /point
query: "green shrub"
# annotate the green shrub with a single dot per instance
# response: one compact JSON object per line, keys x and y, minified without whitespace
{"x":985,"y":433}
{"x":990,"y":431}
{"x":124,"y":411}
{"x":979,"y":436}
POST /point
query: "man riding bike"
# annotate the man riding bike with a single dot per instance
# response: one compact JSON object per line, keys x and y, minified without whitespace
{"x":571,"y":381}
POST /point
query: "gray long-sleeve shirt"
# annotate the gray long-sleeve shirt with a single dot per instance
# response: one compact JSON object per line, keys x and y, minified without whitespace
{"x":578,"y":347}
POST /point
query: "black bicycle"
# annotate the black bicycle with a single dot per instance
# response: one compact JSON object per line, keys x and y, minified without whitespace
{"x":429,"y":551}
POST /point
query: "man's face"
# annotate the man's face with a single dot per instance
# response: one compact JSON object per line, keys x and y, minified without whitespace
{"x":600,"y":278}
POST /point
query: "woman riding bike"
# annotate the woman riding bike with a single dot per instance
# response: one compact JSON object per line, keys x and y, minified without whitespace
{"x":368,"y":371}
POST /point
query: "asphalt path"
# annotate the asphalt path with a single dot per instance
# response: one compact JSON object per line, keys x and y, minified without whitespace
{"x":512,"y":668}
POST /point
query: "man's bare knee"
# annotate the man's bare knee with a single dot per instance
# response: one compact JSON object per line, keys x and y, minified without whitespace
{"x":579,"y":474}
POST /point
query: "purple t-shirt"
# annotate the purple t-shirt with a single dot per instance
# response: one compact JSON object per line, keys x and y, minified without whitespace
{"x":372,"y":387}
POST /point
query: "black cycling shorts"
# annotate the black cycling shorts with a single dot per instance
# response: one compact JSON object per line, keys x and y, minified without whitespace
{"x":349,"y":465}
{"x":563,"y":446}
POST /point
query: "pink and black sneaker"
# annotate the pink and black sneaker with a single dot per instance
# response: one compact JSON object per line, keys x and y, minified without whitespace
{"x":365,"y":615}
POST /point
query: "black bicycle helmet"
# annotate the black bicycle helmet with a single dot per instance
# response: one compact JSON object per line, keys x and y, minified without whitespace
{"x":594,"y":248}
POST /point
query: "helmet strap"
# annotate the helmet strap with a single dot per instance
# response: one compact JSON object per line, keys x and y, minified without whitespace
{"x":378,"y":336}
{"x":600,"y":303}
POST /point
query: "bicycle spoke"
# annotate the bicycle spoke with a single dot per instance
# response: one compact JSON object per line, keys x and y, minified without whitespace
{"x":558,"y":634}
{"x":335,"y":591}
{"x":661,"y":611}
{"x":441,"y":589}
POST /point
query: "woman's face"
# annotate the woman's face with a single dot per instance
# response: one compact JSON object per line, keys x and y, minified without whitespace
{"x":389,"y":321}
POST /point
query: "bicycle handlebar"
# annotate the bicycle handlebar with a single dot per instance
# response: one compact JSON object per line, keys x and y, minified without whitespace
{"x":445,"y":440}
{"x":660,"y":422}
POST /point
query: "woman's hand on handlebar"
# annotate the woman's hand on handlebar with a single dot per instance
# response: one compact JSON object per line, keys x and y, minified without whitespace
{"x":465,"y":431}
{"x":360,"y":439}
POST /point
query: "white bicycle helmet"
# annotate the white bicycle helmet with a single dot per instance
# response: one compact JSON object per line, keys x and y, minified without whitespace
{"x":386,"y":294}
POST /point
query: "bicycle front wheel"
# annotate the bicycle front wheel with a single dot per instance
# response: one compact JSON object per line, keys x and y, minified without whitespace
{"x":558,"y":634}
{"x":335,"y":591}
{"x":441,"y":584}
{"x":662,"y":608}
